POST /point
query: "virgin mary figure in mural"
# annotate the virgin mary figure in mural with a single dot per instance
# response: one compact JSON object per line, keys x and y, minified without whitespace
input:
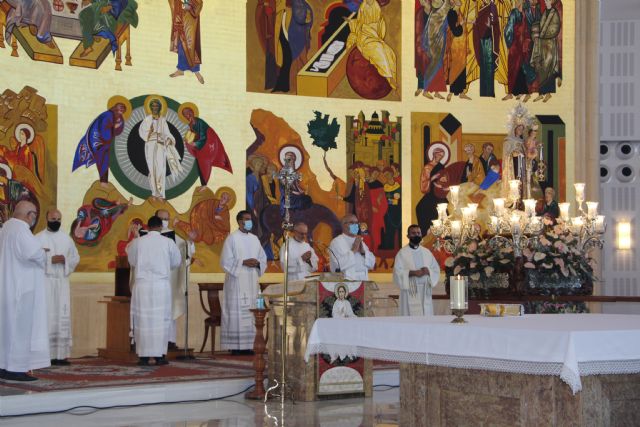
{"x":433,"y":183}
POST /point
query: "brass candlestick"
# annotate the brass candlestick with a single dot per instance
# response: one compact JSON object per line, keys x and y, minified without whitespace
{"x":458,"y":313}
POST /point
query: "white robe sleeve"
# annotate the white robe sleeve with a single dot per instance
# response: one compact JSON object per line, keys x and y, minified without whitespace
{"x":342,"y":256}
{"x":144,"y":128}
{"x":262,"y":257}
{"x":174,"y":256}
{"x":228,"y":260}
{"x":400,"y":273}
{"x":314,"y":261}
{"x":369,"y":257}
{"x":30,"y":249}
{"x":132,"y":252}
{"x":434,"y":269}
{"x":71,"y":259}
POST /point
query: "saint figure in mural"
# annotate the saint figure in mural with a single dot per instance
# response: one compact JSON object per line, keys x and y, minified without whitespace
{"x":486,"y":45}
{"x":159,"y":148}
{"x":36,"y":13}
{"x":185,"y":36}
{"x":101,"y":18}
{"x":95,"y":220}
{"x":342,"y":306}
{"x":265,"y":25}
{"x":209,"y":219}
{"x":368,"y":31}
{"x":546,"y":57}
{"x":204,"y":144}
{"x":517,"y":36}
{"x":95,"y":145}
{"x":455,"y":59}
{"x":431,"y":177}
{"x":433,"y":41}
{"x":293,"y":21}
{"x":27,"y":150}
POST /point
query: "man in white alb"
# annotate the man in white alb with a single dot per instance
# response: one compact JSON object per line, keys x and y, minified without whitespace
{"x":62,"y":260}
{"x":24,"y":339}
{"x":302,"y":258}
{"x":243,"y":261}
{"x":349,"y":254}
{"x":153,"y":256}
{"x":415,"y":272}
{"x":159,"y":149}
{"x":178,"y":276}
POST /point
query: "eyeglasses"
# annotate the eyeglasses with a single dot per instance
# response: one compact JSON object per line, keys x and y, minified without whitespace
{"x":32,"y":213}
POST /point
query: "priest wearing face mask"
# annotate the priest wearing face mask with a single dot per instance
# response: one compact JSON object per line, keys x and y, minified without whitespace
{"x":62,"y":260}
{"x":415,"y":272}
{"x":349,"y":254}
{"x":24,"y":342}
{"x":302,"y":258}
{"x":178,"y":277}
{"x":243,"y":261}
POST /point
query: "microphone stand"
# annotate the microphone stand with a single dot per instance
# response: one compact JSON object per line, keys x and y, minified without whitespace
{"x":187,"y":266}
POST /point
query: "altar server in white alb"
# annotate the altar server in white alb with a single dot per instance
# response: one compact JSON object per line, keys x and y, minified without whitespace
{"x":62,"y":260}
{"x":243,"y":261}
{"x":349,"y":254}
{"x":415,"y":272}
{"x":153,"y":256}
{"x":24,"y":340}
{"x":178,"y":276}
{"x":302,"y":258}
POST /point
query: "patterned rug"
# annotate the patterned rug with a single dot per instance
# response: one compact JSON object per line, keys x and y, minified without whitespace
{"x":96,"y":372}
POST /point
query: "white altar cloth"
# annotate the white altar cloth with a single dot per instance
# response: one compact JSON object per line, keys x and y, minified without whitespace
{"x":568,"y":345}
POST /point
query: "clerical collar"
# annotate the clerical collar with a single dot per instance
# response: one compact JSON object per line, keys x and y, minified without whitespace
{"x":414,"y":247}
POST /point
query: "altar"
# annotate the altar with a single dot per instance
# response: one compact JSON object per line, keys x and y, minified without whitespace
{"x":574,"y":369}
{"x":319,"y":377}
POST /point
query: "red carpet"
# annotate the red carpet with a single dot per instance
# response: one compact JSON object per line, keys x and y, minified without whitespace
{"x":97,"y":372}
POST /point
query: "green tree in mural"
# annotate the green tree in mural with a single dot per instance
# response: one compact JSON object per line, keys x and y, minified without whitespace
{"x":324,"y":134}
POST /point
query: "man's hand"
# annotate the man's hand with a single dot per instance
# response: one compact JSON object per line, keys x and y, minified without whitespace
{"x":306,"y":257}
{"x":425,"y":271}
{"x":57,"y":259}
{"x":416,"y":273}
{"x":251,"y":262}
{"x":357,"y":244}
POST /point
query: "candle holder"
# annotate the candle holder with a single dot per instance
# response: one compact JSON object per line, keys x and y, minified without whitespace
{"x":459,"y":297}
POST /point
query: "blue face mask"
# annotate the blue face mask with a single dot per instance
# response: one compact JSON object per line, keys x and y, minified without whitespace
{"x":248,"y":225}
{"x":354,"y":228}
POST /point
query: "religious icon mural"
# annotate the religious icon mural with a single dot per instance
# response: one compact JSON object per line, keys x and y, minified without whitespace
{"x":533,"y":151}
{"x":464,"y":47}
{"x":374,"y":184}
{"x":185,"y":36}
{"x":28,"y":152}
{"x":102,"y":26}
{"x":276,"y":143}
{"x":156,"y":149}
{"x":341,"y":49}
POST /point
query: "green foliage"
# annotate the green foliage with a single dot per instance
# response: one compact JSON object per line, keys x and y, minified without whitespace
{"x":322,"y":132}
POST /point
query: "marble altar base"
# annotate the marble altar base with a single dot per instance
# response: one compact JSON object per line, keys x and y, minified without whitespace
{"x":438,"y":396}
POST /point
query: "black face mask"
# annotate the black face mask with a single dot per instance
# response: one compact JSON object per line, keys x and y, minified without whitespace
{"x":53,"y":225}
{"x":415,"y":240}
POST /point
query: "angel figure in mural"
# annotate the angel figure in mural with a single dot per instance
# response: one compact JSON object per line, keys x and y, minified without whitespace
{"x":95,"y":145}
{"x":368,"y":30}
{"x":36,"y":14}
{"x":160,"y":146}
{"x":293,"y":21}
{"x":185,"y":36}
{"x":101,"y":18}
{"x":546,"y":57}
{"x":27,"y":150}
{"x":204,"y":144}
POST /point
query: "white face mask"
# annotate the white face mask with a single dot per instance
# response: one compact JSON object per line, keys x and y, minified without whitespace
{"x":165,"y":223}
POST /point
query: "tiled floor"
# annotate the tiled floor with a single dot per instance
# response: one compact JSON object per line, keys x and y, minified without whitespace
{"x":381,"y":410}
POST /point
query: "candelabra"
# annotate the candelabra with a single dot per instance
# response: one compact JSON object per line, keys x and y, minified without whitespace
{"x":588,"y":227}
{"x":452,"y":233}
{"x":287,"y":176}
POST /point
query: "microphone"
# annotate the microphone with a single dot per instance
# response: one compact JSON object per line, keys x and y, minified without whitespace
{"x":336,"y":258}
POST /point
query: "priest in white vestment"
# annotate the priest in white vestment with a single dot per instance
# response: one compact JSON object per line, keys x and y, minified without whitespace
{"x":159,"y":149}
{"x":302,"y":258}
{"x":153,"y":256}
{"x":349,"y":254}
{"x":243,"y":259}
{"x":416,"y":272}
{"x":179,"y":276}
{"x":24,"y":339}
{"x":62,"y":260}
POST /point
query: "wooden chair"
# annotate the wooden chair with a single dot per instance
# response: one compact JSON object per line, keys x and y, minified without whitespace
{"x":214,"y":312}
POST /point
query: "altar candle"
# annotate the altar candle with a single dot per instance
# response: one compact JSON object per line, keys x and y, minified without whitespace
{"x":454,"y":190}
{"x":474,"y":210}
{"x":592,"y":210}
{"x":576,"y":225}
{"x":456,"y":228}
{"x":498,"y":206}
{"x":579,"y":186}
{"x":514,"y":189}
{"x":600,"y":224}
{"x":494,"y":224}
{"x":529,"y":207}
{"x":458,"y":296}
{"x":442,"y":211}
{"x":564,"y":211}
{"x":466,"y":215}
{"x":515,"y":223}
{"x":435,"y":225}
